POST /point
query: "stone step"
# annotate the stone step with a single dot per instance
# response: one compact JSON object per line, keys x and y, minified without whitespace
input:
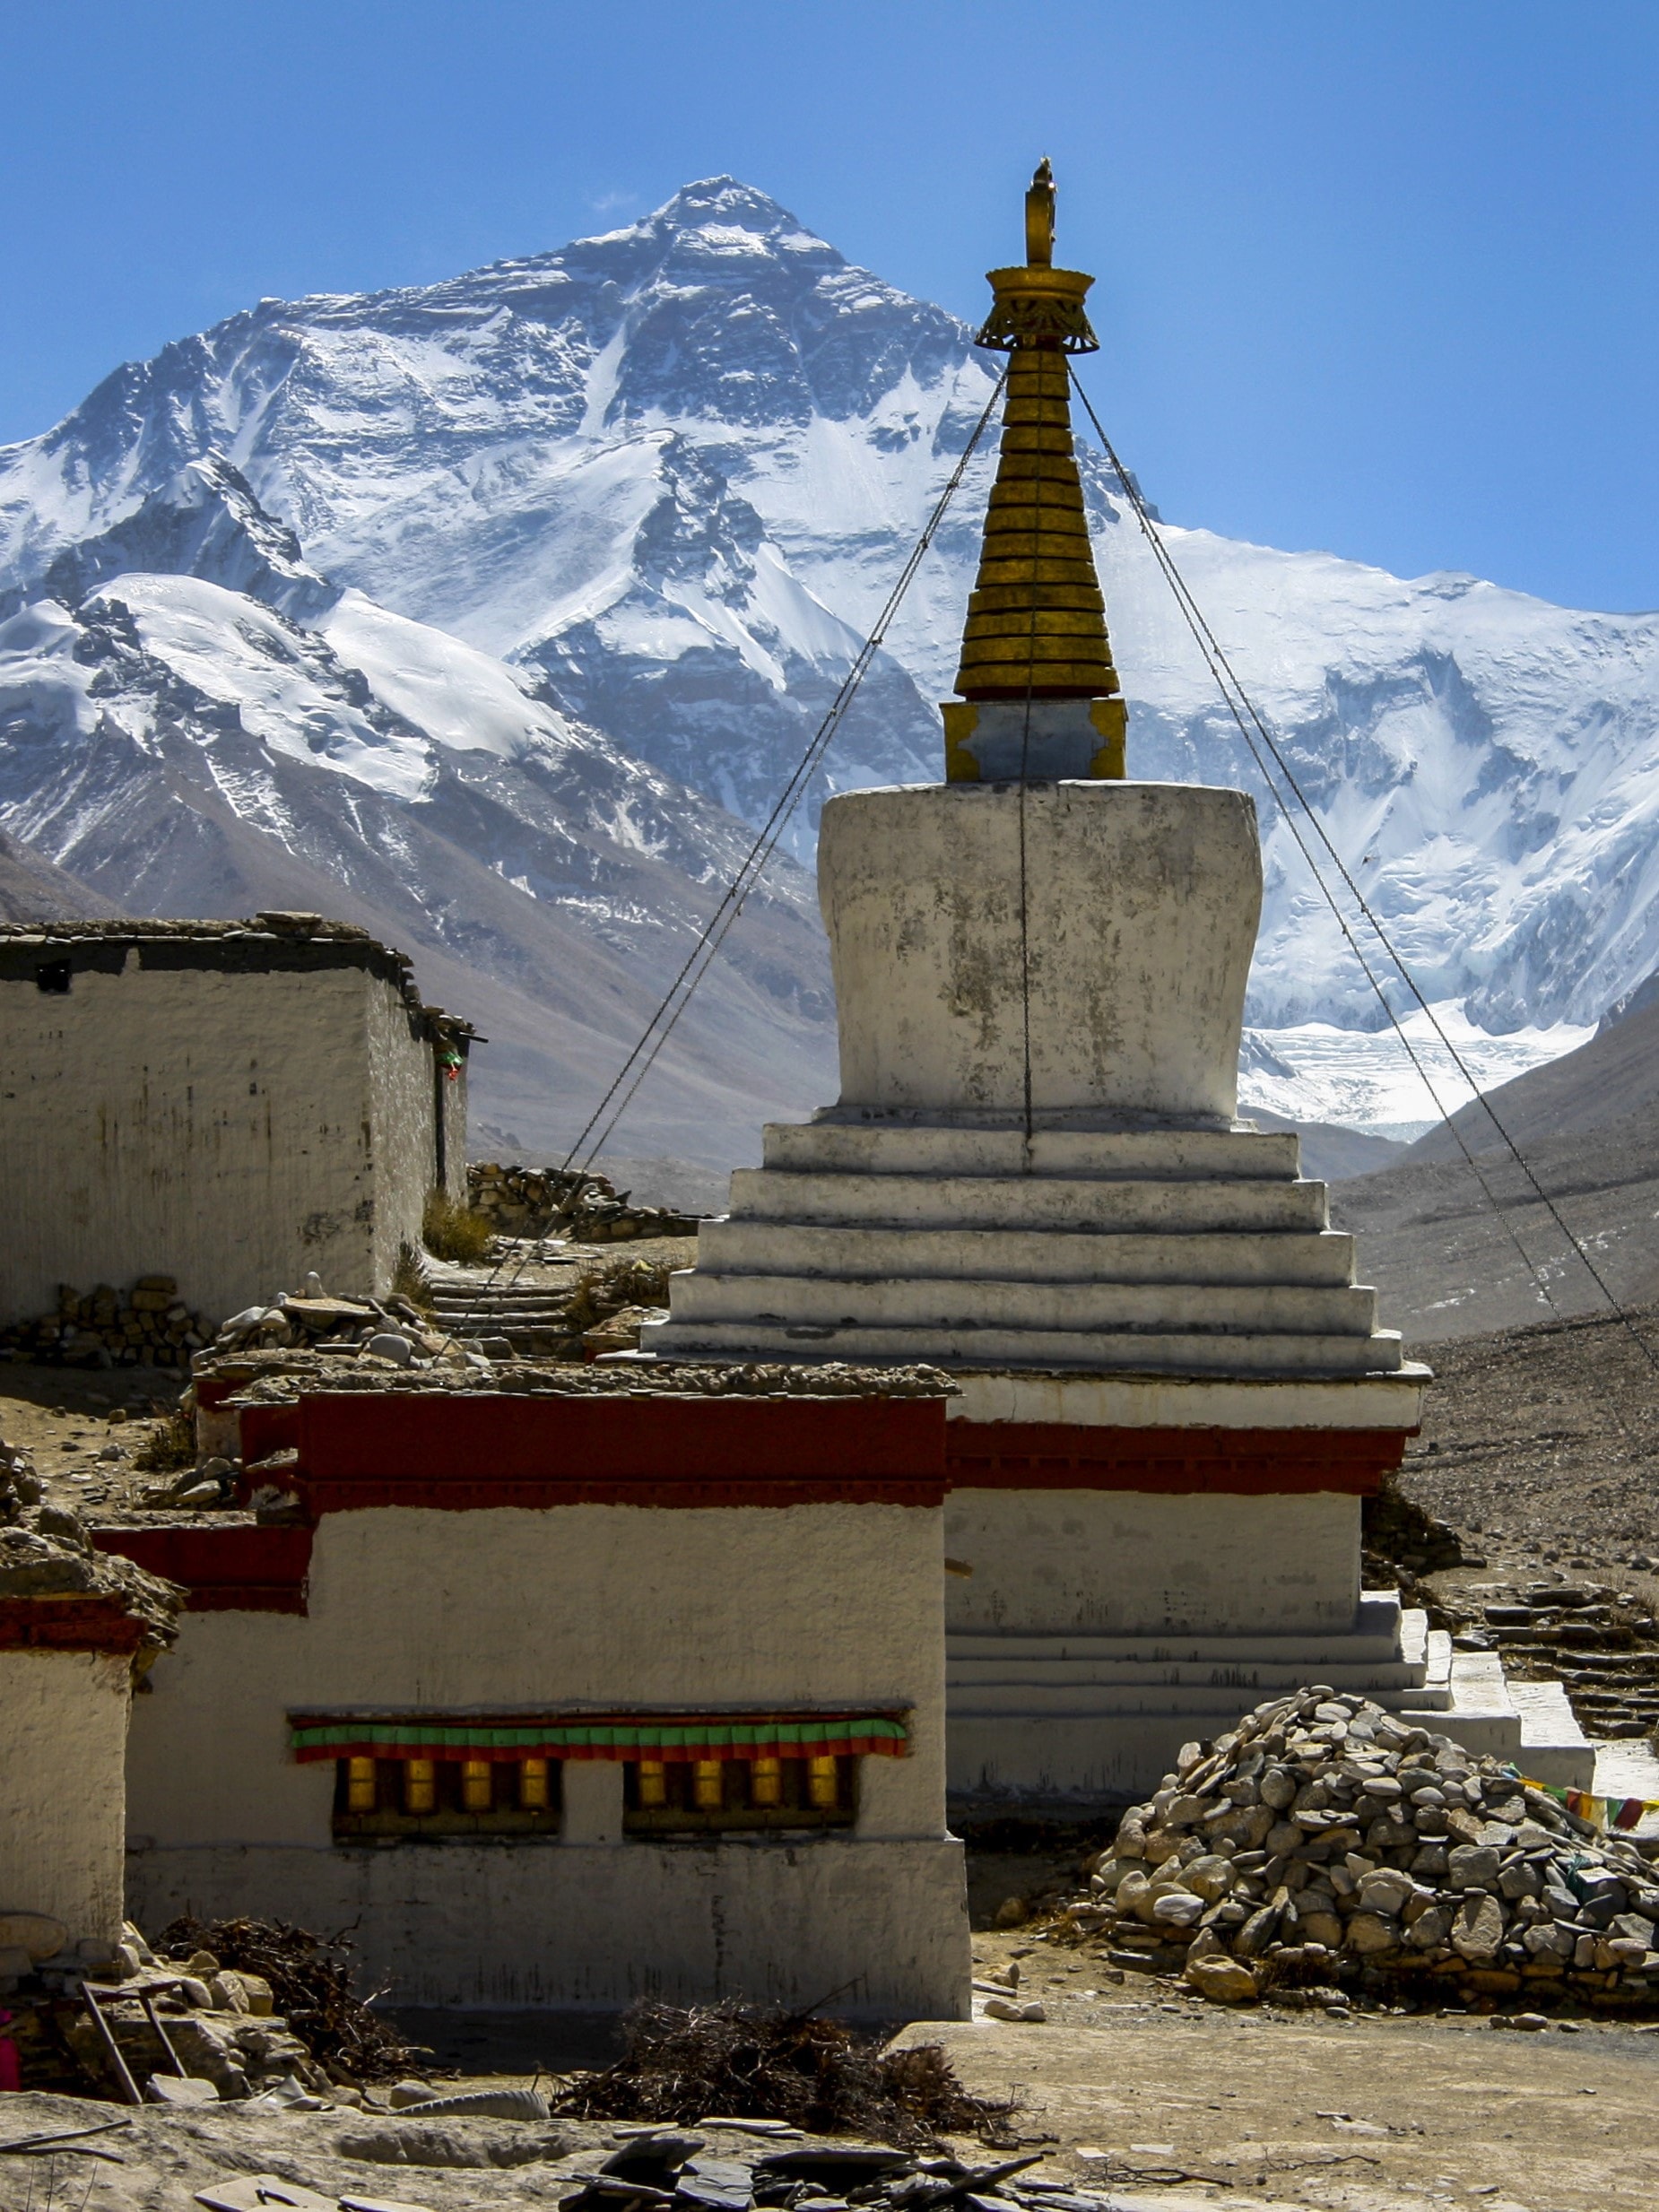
{"x":925,"y":1301}
{"x":1145,"y":1688}
{"x":1389,"y":1654}
{"x":1128,"y":1351}
{"x":1383,"y":1631}
{"x":1116,"y":1751}
{"x":902,"y":1147}
{"x":1321,"y":1258}
{"x":1158,"y":1208}
{"x":532,"y":1316}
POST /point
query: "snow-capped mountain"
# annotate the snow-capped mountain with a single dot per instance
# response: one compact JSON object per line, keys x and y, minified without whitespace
{"x":669,"y":475}
{"x":184,"y":747}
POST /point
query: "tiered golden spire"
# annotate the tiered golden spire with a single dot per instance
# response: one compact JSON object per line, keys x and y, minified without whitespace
{"x":1036,"y":625}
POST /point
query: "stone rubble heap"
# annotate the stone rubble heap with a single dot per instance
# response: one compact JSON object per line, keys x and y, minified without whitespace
{"x":574,"y":1202}
{"x":393,"y":1331}
{"x":279,"y":1377}
{"x":46,"y":1554}
{"x":738,"y":2169}
{"x":222,"y":2022}
{"x":1325,"y":1843}
{"x":149,"y":1325}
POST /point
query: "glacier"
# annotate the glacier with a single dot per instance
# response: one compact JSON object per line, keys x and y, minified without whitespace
{"x":652,"y":488}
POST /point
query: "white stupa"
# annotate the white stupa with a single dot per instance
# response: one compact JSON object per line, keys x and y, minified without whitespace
{"x":1173,"y":1394}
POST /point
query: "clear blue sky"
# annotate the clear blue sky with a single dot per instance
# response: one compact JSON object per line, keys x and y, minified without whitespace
{"x":1379,"y":279}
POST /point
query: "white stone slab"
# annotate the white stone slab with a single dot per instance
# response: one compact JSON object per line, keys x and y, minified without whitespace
{"x":1174,"y":1206}
{"x":1188,"y":1402}
{"x":946,"y":1304}
{"x":861,"y":1254}
{"x":1148,"y":1352}
{"x":833,"y":1143}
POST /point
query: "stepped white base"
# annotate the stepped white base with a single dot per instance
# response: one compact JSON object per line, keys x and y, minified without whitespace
{"x":1170,"y":1250}
{"x":1100,"y":1719}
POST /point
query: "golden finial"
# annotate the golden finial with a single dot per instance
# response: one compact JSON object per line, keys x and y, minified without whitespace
{"x":1039,"y":218}
{"x":1035,"y":629}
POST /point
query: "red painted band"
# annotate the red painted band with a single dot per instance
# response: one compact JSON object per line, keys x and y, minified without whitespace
{"x":69,"y":1625}
{"x":243,"y":1568}
{"x":1249,"y":1462}
{"x":663,"y":1755}
{"x":676,"y":1442}
{"x":460,"y":1497}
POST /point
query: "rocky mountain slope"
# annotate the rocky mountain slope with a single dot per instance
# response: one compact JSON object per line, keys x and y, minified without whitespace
{"x":186,"y":746}
{"x":32,"y":889}
{"x":668,"y":475}
{"x":1586,"y":1127}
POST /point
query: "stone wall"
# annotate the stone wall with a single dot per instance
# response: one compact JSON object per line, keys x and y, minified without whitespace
{"x":63,"y":1753}
{"x":576,"y":1202}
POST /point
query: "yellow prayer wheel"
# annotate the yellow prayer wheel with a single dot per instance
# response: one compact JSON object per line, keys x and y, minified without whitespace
{"x":707,"y":1785}
{"x":477,"y":1785}
{"x":823,"y":1783}
{"x":652,"y":1780}
{"x":766,"y":1782}
{"x":535,"y":1794}
{"x":360,"y":1785}
{"x":420,"y":1785}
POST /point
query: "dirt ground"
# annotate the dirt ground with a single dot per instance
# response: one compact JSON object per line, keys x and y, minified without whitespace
{"x":1194,"y":2105}
{"x":1154,"y":2100}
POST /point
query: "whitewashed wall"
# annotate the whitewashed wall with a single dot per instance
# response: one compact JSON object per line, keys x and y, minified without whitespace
{"x":63,"y":1787}
{"x":231,"y":1130}
{"x":816,"y":1605}
{"x":1130,"y":1563}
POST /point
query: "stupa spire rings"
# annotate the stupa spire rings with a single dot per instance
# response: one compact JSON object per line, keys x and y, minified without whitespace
{"x":1038,"y":695}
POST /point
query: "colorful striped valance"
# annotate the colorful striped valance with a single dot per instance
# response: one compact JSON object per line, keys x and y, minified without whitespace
{"x":597,"y":1736}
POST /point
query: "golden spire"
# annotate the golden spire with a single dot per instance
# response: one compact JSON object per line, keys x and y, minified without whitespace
{"x":1035,"y":629}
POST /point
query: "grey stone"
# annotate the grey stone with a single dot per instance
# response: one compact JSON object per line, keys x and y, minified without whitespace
{"x":1386,"y":1891}
{"x":727,"y":2185}
{"x":1368,"y":1932}
{"x":1473,"y":1866}
{"x":1478,"y":1930}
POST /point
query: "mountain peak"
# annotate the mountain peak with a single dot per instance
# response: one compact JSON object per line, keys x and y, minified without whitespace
{"x":714,"y":202}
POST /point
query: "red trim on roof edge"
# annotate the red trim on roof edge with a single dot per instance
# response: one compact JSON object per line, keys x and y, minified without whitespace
{"x":242,"y":1568}
{"x":70,"y":1625}
{"x":360,"y":1450}
{"x":1247,"y":1463}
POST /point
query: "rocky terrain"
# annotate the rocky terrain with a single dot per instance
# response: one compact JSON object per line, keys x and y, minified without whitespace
{"x":1450,"y":1264}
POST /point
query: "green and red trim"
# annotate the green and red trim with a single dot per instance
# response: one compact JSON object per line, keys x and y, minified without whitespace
{"x":598,"y":1736}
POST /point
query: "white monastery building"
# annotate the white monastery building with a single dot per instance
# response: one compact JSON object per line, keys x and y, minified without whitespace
{"x":233,"y":1105}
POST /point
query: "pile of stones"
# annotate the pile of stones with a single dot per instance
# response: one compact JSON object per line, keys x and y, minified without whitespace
{"x":149,"y":1325}
{"x":21,"y":1488}
{"x":46,"y":1554}
{"x":541,"y":1202}
{"x":740,"y":2169}
{"x":1324,"y":1844}
{"x":308,"y":1319}
{"x":1601,"y":1643}
{"x":277,"y":1378}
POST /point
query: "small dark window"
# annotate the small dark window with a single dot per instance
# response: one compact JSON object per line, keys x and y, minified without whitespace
{"x":53,"y":977}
